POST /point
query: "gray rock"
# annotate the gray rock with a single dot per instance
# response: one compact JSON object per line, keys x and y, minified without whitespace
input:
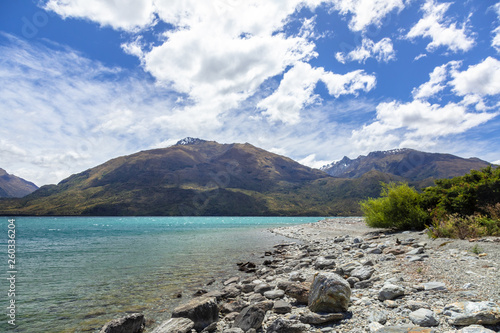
{"x":282,"y":325}
{"x":349,"y":267}
{"x":233,"y":306}
{"x":424,"y":317}
{"x":470,"y":313}
{"x":378,"y":317}
{"x":247,"y":288}
{"x":282,"y":307}
{"x":201,"y":310}
{"x":233,"y":330}
{"x":475,"y":329}
{"x":363,"y":284}
{"x":133,"y":323}
{"x":416,"y":258}
{"x":175,"y":325}
{"x":297,"y":276}
{"x":251,"y":317}
{"x":405,"y":329}
{"x":434,"y":286}
{"x":375,"y":327}
{"x":234,"y":279}
{"x":352,"y":280}
{"x":274,"y":294}
{"x":363,"y":272}
{"x":329,"y":293}
{"x":387,"y":257}
{"x":231,"y":291}
{"x":320,"y":319}
{"x":375,"y":250}
{"x":415,"y":305}
{"x":299,"y":291}
{"x":390,"y":291}
{"x":262,"y":288}
{"x":418,"y":250}
{"x":323,"y":263}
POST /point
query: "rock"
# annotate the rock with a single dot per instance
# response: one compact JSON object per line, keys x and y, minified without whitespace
{"x":282,"y":307}
{"x":475,"y":329}
{"x":363,"y":272}
{"x":202,"y":311}
{"x":234,"y":279}
{"x":349,"y":267}
{"x":394,"y":250}
{"x":470,"y":313}
{"x":262,"y":288}
{"x":247,"y":267}
{"x":233,"y":306}
{"x":175,"y":325}
{"x":434,"y":286}
{"x":282,"y":325}
{"x":320,"y":319}
{"x":390,"y":291}
{"x":247,"y":288}
{"x":133,"y":323}
{"x":387,"y":257}
{"x":210,"y":328}
{"x":299,"y":291}
{"x":363,"y":284}
{"x":297,"y":276}
{"x":378,"y":316}
{"x":415,"y":305}
{"x":418,"y":250}
{"x":251,"y":317}
{"x":231,"y":291}
{"x":233,"y":330}
{"x":375,"y":327}
{"x":352,"y":281}
{"x":323,"y":263}
{"x":274,"y":294}
{"x":405,"y":329}
{"x":215,"y":293}
{"x":329,"y":293}
{"x":375,"y":250}
{"x":424,"y":317}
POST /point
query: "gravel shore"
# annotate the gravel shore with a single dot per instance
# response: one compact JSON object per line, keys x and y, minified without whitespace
{"x":341,"y":276}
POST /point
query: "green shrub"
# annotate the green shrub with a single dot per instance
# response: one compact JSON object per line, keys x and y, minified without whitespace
{"x":399,"y":207}
{"x":456,"y":226}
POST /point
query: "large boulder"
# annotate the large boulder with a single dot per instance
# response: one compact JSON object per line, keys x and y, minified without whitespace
{"x":470,"y":313}
{"x":329,"y":293}
{"x":201,"y":310}
{"x":133,"y":323}
{"x":175,"y":325}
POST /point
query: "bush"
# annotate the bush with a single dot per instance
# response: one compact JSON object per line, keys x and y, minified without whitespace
{"x":456,"y":226}
{"x":399,"y":207}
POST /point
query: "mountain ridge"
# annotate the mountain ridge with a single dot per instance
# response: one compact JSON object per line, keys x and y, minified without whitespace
{"x":200,"y":177}
{"x":12,"y":186}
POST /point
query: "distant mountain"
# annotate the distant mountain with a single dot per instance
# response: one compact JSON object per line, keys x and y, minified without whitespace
{"x":412,"y":165}
{"x":14,"y":187}
{"x":198,"y":177}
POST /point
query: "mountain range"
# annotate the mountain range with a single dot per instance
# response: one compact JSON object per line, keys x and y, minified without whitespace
{"x":14,"y":187}
{"x":198,"y":177}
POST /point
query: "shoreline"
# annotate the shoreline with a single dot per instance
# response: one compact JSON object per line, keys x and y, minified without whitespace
{"x":430,"y":275}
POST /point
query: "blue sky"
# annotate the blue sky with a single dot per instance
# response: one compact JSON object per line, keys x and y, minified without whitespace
{"x":83,"y":81}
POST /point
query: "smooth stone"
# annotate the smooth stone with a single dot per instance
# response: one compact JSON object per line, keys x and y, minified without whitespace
{"x":390,"y":291}
{"x":282,"y":307}
{"x":175,"y":325}
{"x":424,"y":317}
{"x":375,"y":250}
{"x":262,"y":288}
{"x":378,"y":316}
{"x":133,"y":323}
{"x":475,"y":329}
{"x":418,"y":250}
{"x":329,"y":293}
{"x":234,"y":279}
{"x":274,"y":294}
{"x":434,"y":286}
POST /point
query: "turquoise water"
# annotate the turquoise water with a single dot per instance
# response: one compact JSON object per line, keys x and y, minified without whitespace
{"x":76,"y":273}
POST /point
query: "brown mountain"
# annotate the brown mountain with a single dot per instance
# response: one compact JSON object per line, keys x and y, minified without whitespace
{"x":14,"y":187}
{"x":416,"y":167}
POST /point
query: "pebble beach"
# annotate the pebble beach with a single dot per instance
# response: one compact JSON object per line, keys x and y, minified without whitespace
{"x":339,"y":275}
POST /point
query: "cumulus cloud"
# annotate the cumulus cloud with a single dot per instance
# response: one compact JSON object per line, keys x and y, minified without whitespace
{"x":437,"y":82}
{"x":481,"y":79}
{"x":367,"y":12}
{"x":296,"y":90}
{"x":383,"y":51}
{"x":440,"y":29}
{"x":404,"y":124}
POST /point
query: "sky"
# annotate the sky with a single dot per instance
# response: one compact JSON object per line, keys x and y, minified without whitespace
{"x":84,"y":81}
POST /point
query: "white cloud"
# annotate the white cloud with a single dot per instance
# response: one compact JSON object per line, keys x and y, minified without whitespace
{"x":415,"y":123}
{"x":382,"y":51}
{"x":437,"y":81}
{"x":367,"y":12}
{"x":441,"y":30}
{"x":124,"y":14}
{"x":495,"y":42}
{"x":481,"y":79}
{"x":296,"y":90}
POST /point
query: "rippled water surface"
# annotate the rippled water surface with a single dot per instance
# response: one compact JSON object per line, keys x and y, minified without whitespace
{"x":76,"y":273}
